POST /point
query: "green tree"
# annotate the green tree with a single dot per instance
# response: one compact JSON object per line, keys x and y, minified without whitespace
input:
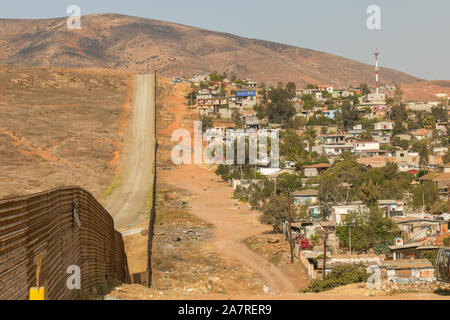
{"x":312,"y":86}
{"x":388,"y":182}
{"x":236,"y":117}
{"x":207,"y":122}
{"x":364,"y":88}
{"x":215,"y":77}
{"x":439,"y":113}
{"x":369,"y":228}
{"x":298,"y":122}
{"x":280,"y":109}
{"x":423,"y":148}
{"x":398,"y":127}
{"x":349,"y":115}
{"x":398,"y":94}
{"x":275,"y":211}
{"x":370,"y":193}
{"x":335,"y":184}
{"x":340,"y":275}
{"x":446,"y":157}
{"x":425,"y":195}
{"x":399,"y":112}
{"x":292,"y":145}
{"x":366,"y":136}
{"x":192,"y":98}
{"x":224,"y":171}
{"x":429,"y":122}
{"x":290,"y":182}
{"x":310,"y":135}
{"x":290,"y":87}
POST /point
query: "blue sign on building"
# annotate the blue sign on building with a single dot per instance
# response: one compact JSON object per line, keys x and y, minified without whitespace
{"x":245,"y":93}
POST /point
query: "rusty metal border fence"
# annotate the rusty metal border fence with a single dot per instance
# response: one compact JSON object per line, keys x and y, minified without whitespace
{"x":46,"y":224}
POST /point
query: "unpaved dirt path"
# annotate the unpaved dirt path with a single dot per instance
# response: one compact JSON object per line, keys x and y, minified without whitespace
{"x":214,"y":204}
{"x":127,"y":203}
{"x":233,"y":221}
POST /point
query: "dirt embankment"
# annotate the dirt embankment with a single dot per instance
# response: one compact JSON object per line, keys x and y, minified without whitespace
{"x":60,"y":127}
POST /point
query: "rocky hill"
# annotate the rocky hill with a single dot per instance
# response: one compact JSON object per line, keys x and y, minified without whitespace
{"x":141,"y":45}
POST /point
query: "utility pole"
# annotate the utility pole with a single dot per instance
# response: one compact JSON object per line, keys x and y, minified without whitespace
{"x":325,"y":237}
{"x":290,"y":229}
{"x":350,"y":241}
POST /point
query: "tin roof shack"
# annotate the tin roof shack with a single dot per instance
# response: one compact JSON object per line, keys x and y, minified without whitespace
{"x":315,"y":170}
{"x":441,"y":178}
{"x":410,"y":251}
{"x":420,"y":229}
{"x":407,"y":271}
{"x":392,"y":208}
{"x":307,"y":196}
{"x":406,"y":251}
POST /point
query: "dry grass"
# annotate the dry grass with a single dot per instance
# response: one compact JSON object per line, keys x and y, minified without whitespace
{"x":61,"y":127}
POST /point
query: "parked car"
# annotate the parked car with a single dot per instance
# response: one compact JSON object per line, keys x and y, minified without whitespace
{"x":443,"y":265}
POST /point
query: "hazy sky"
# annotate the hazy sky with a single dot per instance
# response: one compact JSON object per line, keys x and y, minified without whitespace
{"x":414,"y":35}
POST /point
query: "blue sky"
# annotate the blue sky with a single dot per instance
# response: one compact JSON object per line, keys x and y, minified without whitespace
{"x":414,"y":35}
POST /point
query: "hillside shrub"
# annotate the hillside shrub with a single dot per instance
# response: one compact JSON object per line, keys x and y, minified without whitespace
{"x":339,"y":276}
{"x":447,"y":242}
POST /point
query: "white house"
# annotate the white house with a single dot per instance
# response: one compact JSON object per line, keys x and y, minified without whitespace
{"x":308,"y":196}
{"x":337,"y":149}
{"x":384,"y":125}
{"x":339,"y":212}
{"x":366,"y":145}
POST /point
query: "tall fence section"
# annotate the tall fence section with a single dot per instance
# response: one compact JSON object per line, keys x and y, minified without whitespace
{"x":66,"y":227}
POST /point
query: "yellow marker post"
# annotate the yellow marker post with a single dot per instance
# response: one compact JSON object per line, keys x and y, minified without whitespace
{"x":37,"y":293}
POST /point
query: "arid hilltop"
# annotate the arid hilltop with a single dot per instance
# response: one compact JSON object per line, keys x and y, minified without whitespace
{"x":61,"y":127}
{"x":140,"y":45}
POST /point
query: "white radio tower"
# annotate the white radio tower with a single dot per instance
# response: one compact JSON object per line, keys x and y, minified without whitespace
{"x":376,"y":53}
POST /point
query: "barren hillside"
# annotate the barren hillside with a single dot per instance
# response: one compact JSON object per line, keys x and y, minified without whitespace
{"x":426,"y":90}
{"x":140,"y":45}
{"x":60,"y":127}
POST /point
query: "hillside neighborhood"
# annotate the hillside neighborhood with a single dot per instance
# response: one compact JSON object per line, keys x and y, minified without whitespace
{"x":364,"y":175}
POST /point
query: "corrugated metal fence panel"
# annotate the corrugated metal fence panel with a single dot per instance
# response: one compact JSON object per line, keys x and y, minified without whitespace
{"x":44,"y":224}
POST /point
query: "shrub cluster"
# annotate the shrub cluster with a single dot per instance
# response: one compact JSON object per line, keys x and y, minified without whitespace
{"x":339,"y":276}
{"x":447,"y":242}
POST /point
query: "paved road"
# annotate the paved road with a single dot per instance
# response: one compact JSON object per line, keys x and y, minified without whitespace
{"x":127,"y":203}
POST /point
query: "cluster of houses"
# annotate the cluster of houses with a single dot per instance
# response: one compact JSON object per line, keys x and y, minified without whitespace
{"x":407,"y":261}
{"x":421,"y":232}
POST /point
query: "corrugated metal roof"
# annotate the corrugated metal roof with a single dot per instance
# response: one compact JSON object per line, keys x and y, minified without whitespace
{"x":408,"y":263}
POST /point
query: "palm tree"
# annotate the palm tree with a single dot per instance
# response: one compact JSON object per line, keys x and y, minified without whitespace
{"x":310,"y":135}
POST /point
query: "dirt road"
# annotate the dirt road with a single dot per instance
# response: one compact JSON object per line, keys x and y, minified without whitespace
{"x":233,"y":221}
{"x":127,"y":203}
{"x":214,"y":204}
